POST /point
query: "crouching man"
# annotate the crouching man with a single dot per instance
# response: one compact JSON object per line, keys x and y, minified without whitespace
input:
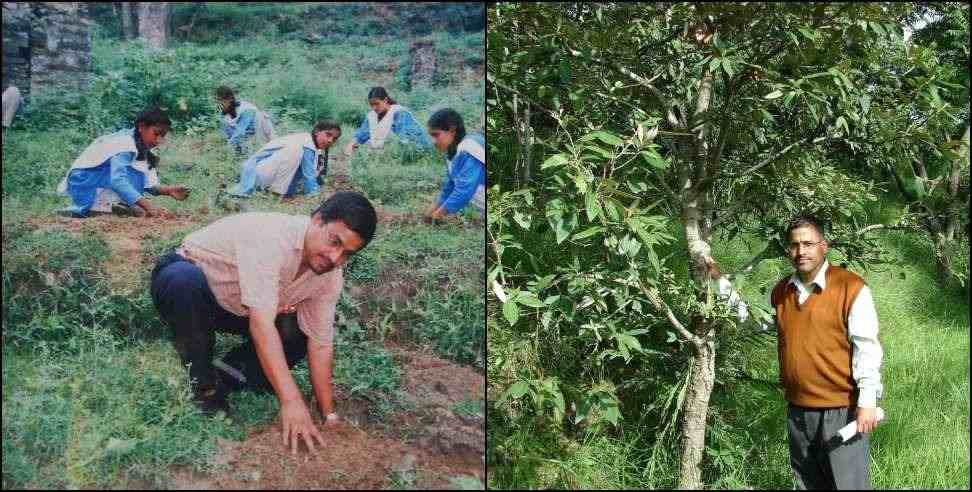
{"x":276,"y":280}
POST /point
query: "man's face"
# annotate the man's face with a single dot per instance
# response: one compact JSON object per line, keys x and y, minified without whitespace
{"x":807,"y":249}
{"x":325,"y":138}
{"x":330,"y":246}
{"x":152,"y":136}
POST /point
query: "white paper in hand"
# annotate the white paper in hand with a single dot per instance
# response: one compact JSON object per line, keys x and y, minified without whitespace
{"x":848,"y":431}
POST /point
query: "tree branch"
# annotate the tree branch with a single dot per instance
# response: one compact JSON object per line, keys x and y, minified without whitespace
{"x":660,"y":305}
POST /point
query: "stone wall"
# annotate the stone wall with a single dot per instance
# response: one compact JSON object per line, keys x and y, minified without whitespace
{"x":47,"y":46}
{"x":16,"y":46}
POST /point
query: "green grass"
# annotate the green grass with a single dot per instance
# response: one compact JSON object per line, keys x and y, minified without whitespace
{"x":923,"y":444}
{"x":93,"y":391}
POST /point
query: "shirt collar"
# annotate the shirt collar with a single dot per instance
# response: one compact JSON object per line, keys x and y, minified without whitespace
{"x":820,"y":279}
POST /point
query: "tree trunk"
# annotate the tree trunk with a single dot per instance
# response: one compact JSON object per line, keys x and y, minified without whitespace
{"x":702,"y":377}
{"x":153,"y":23}
{"x":954,"y":179}
{"x":696,"y":411}
{"x":128,"y":25}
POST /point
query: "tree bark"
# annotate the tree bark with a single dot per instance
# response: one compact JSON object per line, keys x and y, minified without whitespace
{"x":702,"y":376}
{"x":954,"y":179}
{"x":153,"y":23}
{"x":696,"y":410}
{"x":128,"y":25}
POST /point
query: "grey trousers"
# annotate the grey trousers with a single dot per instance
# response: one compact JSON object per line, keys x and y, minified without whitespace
{"x":818,"y":457}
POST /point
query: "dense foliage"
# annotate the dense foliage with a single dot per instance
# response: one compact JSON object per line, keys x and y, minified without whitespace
{"x":635,"y":143}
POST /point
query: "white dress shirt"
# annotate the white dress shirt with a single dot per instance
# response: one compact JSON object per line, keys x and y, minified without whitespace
{"x":862,"y":331}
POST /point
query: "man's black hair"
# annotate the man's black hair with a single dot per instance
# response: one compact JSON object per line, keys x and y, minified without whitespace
{"x":806,"y":221}
{"x":448,"y":119}
{"x":354,"y":210}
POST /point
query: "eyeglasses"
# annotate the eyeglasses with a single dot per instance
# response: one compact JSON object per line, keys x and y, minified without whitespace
{"x":805,"y":244}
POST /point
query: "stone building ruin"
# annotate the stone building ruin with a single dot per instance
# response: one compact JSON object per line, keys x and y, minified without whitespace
{"x":46,"y":47}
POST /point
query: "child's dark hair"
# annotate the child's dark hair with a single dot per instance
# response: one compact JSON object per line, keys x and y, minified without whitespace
{"x":223,"y":92}
{"x":448,"y":119}
{"x":380,"y":93}
{"x":149,"y":117}
{"x":321,"y":126}
{"x":354,"y":210}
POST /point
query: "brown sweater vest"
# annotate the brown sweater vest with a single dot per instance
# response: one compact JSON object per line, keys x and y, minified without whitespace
{"x":814,"y":350}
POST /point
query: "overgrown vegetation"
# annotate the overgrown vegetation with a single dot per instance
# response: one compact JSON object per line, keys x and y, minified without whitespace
{"x":633,"y":144}
{"x":93,"y":392}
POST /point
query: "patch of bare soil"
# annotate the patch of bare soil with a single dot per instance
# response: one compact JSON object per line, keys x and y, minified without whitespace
{"x":125,"y":236}
{"x":426,"y":446}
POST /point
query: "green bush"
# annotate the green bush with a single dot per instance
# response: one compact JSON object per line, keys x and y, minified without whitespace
{"x":55,"y":293}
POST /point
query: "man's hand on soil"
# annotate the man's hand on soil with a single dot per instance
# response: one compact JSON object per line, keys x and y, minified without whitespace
{"x":332,"y":420}
{"x":296,"y":422}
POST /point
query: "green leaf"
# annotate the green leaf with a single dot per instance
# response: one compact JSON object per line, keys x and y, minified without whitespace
{"x":516,"y":390}
{"x":580,"y":183}
{"x":528,"y":299}
{"x":603,"y":136}
{"x":589,"y":232}
{"x":554,"y":160}
{"x":593,"y":208}
{"x":773,"y":95}
{"x":511,"y":312}
{"x":522,"y":219}
{"x":727,"y":66}
{"x":612,"y":414}
{"x":654,"y":159}
{"x":602,"y":152}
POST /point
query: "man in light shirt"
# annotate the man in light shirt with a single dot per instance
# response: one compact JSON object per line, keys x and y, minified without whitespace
{"x":830,"y":361}
{"x":247,"y":272}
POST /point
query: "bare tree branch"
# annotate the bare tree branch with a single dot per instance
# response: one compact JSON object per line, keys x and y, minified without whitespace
{"x":660,"y":305}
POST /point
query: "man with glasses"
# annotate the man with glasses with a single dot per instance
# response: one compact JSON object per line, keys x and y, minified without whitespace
{"x":830,"y":361}
{"x":248,"y":272}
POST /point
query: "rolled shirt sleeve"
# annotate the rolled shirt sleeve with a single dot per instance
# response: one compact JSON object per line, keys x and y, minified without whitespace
{"x":120,"y":182}
{"x":866,"y":355}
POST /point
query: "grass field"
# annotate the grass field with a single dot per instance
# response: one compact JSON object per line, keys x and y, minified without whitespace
{"x":923,"y":444}
{"x":93,"y":392}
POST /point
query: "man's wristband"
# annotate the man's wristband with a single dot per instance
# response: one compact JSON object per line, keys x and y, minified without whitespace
{"x":331,"y":416}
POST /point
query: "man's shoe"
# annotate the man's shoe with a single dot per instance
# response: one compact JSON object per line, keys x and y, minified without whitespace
{"x":211,"y":401}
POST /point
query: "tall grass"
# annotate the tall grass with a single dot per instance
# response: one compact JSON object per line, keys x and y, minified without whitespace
{"x":924,"y":443}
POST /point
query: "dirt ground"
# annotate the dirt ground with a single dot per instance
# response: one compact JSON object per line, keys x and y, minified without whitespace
{"x":427,"y":446}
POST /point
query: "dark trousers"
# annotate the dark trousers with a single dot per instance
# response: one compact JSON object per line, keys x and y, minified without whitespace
{"x":187,"y":305}
{"x":818,"y":457}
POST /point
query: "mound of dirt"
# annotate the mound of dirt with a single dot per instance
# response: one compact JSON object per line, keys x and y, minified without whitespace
{"x":425,"y":447}
{"x":125,"y":236}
